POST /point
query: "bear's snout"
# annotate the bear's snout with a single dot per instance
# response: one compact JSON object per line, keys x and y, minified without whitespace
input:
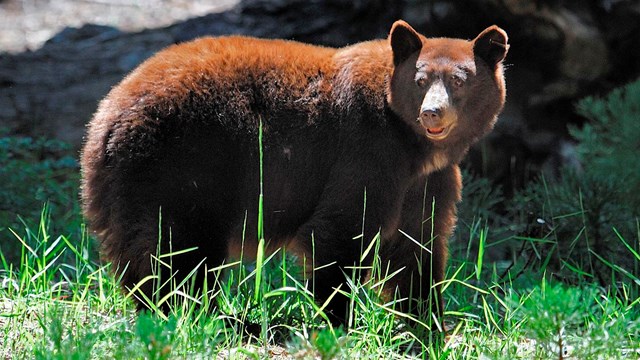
{"x":437,"y":122}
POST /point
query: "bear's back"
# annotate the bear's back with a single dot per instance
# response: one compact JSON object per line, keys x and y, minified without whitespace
{"x":228,"y":63}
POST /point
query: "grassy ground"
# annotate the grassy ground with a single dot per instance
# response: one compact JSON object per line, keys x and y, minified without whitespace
{"x":58,"y":303}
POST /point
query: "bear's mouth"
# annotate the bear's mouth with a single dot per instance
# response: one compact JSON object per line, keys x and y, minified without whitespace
{"x":438,"y":133}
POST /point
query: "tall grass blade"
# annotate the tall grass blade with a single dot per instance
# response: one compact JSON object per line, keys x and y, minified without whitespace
{"x":481,"y":245}
{"x":260,"y":252}
{"x":626,"y":244}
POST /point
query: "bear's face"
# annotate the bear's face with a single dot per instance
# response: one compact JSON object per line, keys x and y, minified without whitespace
{"x":448,"y":90}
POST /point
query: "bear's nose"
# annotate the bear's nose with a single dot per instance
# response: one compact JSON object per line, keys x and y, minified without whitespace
{"x":430,"y":115}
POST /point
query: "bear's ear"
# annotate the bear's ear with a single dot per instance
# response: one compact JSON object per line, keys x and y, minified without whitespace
{"x":491,"y":45}
{"x":404,"y":41}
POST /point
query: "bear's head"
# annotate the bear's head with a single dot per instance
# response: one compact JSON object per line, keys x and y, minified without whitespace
{"x":449,"y":91}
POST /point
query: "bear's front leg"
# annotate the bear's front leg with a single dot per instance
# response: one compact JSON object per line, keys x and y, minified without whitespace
{"x":352,"y":210}
{"x":419,"y":247}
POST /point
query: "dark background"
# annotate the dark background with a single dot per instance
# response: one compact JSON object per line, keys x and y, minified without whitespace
{"x":561,"y":51}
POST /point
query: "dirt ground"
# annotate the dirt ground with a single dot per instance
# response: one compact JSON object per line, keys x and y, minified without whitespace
{"x":27,"y":24}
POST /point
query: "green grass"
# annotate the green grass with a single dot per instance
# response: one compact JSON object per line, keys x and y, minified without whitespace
{"x":73,"y":309}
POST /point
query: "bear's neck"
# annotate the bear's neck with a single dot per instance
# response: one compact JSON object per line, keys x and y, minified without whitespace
{"x":427,"y":157}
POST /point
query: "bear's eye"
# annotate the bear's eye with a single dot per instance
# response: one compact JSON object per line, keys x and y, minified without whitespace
{"x":456,"y":81}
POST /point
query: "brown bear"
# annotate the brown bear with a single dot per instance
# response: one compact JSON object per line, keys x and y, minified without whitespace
{"x":358,"y":141}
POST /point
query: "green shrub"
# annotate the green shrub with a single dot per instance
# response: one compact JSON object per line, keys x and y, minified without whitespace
{"x":36,"y":173}
{"x":610,"y":142}
{"x":575,"y":322}
{"x":586,"y":223}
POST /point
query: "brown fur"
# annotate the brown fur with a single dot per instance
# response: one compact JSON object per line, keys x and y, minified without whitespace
{"x":177,"y":140}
